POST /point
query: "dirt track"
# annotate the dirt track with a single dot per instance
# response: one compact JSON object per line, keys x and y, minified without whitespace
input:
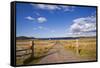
{"x":58,"y":54}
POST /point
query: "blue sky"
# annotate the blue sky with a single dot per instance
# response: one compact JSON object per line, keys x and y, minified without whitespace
{"x":42,"y":21}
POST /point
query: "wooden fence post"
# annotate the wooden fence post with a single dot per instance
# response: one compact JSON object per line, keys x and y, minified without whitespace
{"x":32,"y":48}
{"x":77,"y":46}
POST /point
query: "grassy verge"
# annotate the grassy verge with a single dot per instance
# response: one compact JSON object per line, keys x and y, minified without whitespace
{"x":86,"y":49}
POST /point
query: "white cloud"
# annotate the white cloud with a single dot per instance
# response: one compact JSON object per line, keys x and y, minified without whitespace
{"x":53,"y":7}
{"x":83,"y":25}
{"x":42,"y":28}
{"x":41,"y":19}
{"x":47,"y":7}
{"x":38,"y":19}
{"x":67,"y":8}
{"x":30,"y":18}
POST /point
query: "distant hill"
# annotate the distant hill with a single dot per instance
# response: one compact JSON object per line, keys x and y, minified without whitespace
{"x":24,"y":38}
{"x":65,"y":38}
{"x":56,"y":38}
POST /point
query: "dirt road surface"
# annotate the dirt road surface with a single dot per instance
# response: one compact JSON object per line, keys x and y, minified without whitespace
{"x":58,"y":55}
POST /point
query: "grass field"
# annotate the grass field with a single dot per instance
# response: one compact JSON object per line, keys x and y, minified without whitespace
{"x":41,"y":47}
{"x":86,"y":48}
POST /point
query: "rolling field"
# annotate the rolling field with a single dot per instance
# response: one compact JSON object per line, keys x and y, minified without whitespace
{"x":56,"y":51}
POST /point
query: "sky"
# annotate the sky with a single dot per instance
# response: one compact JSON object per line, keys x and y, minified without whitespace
{"x":45,"y":21}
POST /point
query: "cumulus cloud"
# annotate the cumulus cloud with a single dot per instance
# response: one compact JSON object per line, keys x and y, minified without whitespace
{"x":41,"y":19}
{"x":30,"y":18}
{"x":53,"y":7}
{"x":38,"y":19}
{"x":83,"y":25}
